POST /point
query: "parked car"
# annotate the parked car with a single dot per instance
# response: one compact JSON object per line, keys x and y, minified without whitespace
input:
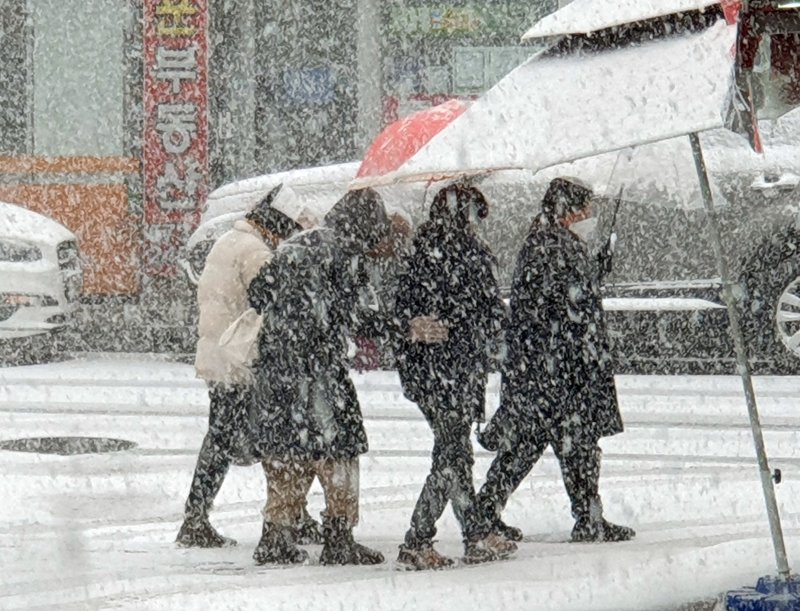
{"x":320,"y":186}
{"x":40,"y":274}
{"x":664,"y":294}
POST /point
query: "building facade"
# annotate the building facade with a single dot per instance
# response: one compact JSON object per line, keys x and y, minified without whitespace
{"x":118,"y":116}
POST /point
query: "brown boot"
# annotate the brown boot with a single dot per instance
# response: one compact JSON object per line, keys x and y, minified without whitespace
{"x":422,"y":557}
{"x":488,"y":548}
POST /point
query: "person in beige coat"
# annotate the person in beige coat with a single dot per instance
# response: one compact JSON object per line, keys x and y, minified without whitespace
{"x":232,"y":264}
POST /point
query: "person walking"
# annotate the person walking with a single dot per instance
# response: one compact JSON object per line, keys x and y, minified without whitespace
{"x":448,"y":302}
{"x":310,"y":418}
{"x":233,"y":262}
{"x":557,"y":385}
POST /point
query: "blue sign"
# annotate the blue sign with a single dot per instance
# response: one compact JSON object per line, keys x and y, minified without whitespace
{"x":309,"y":85}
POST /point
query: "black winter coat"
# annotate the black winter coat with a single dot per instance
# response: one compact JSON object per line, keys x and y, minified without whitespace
{"x":309,"y":298}
{"x":558,"y":374}
{"x":451,"y":274}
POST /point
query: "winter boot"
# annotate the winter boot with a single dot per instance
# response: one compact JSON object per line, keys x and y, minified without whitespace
{"x":488,"y":548}
{"x":512,"y":533}
{"x":588,"y":530}
{"x":309,"y":531}
{"x":200,"y":533}
{"x":591,"y":526}
{"x":340,"y":548}
{"x":422,"y":557}
{"x":277,"y":546}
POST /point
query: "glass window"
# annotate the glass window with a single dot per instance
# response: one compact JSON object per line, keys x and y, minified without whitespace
{"x":78,"y":74}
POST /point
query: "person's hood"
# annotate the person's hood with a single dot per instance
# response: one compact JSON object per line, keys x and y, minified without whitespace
{"x":359,"y":221}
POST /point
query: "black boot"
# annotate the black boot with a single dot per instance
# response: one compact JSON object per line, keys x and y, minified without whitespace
{"x":512,"y":533}
{"x":309,"y":531}
{"x":199,"y":533}
{"x":592,"y":527}
{"x":277,"y":546}
{"x":587,"y":530}
{"x":341,"y":548}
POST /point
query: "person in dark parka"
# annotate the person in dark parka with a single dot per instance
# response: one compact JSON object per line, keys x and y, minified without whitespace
{"x":558,"y":381}
{"x":449,"y":281}
{"x":309,"y":418}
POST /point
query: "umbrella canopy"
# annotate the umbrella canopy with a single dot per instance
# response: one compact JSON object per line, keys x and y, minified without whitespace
{"x":767,"y":37}
{"x":662,"y":171}
{"x":554,"y":110}
{"x":399,"y":141}
{"x":584,"y":16}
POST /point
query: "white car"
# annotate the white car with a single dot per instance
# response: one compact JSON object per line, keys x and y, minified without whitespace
{"x":40,"y":273}
{"x":320,"y":188}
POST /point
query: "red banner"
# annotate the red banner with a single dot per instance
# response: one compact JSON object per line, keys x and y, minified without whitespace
{"x":731,"y":9}
{"x":175,"y":127}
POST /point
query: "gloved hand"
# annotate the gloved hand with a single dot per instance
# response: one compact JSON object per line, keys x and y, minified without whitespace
{"x":428,"y":330}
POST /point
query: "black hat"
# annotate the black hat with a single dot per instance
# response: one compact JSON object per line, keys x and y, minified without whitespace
{"x":271,"y":219}
{"x":564,"y":195}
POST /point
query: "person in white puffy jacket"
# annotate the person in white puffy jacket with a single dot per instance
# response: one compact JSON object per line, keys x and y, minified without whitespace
{"x":233,"y":262}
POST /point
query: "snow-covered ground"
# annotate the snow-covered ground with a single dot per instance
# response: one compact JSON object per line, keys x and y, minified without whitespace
{"x":97,"y":531}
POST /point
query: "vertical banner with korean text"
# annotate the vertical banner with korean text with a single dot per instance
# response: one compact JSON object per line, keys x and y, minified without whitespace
{"x":175,"y":128}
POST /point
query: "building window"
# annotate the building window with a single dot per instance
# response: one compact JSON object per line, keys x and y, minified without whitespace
{"x":78,"y":72}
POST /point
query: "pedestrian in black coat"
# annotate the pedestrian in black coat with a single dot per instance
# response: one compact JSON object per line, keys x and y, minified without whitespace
{"x":448,"y":301}
{"x":310,"y":421}
{"x":558,"y":381}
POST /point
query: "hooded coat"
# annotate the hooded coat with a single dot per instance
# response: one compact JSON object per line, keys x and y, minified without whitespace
{"x":222,"y":296}
{"x":310,"y":300}
{"x":558,"y":373}
{"x":451,"y":274}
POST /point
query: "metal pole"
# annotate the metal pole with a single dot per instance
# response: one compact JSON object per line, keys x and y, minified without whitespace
{"x":742,"y":363}
{"x":370,"y":72}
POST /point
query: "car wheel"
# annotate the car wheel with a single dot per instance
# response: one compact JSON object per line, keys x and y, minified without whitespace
{"x":774,"y":325}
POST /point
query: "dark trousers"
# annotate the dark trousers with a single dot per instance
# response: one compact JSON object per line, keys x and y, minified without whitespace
{"x":580,"y":470}
{"x":228,"y":404}
{"x":450,"y":479}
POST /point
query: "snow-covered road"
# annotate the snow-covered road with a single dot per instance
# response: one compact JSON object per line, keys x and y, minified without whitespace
{"x":97,"y":531}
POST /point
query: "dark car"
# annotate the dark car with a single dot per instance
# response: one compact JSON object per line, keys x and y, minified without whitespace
{"x":663,"y":297}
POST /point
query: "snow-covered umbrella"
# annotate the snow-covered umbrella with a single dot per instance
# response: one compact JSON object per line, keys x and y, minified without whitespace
{"x":554,"y":110}
{"x":559,"y":109}
{"x":766,"y":65}
{"x":585,"y":16}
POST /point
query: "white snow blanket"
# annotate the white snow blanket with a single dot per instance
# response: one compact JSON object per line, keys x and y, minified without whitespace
{"x":97,"y":531}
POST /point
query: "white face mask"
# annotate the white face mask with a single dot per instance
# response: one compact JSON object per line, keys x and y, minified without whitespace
{"x":474,"y":219}
{"x":584,"y":229}
{"x":452,"y":201}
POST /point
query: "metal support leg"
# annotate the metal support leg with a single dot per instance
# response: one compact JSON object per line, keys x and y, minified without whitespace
{"x":742,"y":363}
